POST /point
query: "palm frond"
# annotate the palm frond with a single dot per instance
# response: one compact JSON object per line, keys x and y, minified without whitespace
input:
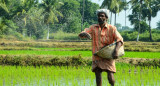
{"x":3,"y":5}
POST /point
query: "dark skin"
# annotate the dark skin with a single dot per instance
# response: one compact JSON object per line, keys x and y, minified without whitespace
{"x":102,"y":18}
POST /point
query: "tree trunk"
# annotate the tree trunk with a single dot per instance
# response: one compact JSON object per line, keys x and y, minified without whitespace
{"x":111,"y":18}
{"x":125,"y":19}
{"x":139,"y":21}
{"x":82,"y":16}
{"x":139,"y":30}
{"x":30,"y":35}
{"x":48,"y":32}
{"x":23,"y":32}
{"x":150,"y":36}
{"x":115,"y":20}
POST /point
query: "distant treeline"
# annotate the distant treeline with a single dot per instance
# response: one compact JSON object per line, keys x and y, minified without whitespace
{"x":132,"y":36}
{"x":42,"y":19}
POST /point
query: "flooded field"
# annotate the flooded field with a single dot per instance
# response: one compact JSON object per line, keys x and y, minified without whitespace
{"x":76,"y":76}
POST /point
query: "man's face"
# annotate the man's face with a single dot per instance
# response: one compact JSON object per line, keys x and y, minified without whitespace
{"x":102,"y":18}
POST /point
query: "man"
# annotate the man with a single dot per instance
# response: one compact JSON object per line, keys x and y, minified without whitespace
{"x":103,"y":34}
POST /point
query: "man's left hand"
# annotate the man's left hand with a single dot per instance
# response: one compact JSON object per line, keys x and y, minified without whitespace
{"x":115,"y":54}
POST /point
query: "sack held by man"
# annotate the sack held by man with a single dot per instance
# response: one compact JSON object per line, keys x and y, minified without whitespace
{"x":107,"y":51}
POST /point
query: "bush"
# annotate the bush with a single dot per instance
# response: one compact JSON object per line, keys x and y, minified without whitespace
{"x":132,"y":35}
{"x":60,"y":35}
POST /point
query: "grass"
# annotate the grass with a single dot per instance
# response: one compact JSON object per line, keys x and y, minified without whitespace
{"x":60,"y":53}
{"x":126,"y":75}
{"x":142,"y":54}
{"x":72,"y":53}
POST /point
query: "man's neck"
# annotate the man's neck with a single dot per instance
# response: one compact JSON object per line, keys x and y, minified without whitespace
{"x":102,"y":25}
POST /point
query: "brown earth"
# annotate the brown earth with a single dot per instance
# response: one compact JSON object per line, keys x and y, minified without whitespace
{"x":133,"y":60}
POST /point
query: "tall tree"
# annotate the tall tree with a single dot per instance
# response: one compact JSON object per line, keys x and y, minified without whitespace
{"x":118,"y":8}
{"x":23,"y":8}
{"x":158,"y":25}
{"x":109,"y":5}
{"x":35,"y":24}
{"x":150,"y":11}
{"x":125,"y":9}
{"x":89,"y":11}
{"x":71,"y":20}
{"x":3,"y":5}
{"x":3,"y":10}
{"x":136,"y":5}
{"x":51,"y":13}
{"x":115,"y":6}
{"x":145,"y":8}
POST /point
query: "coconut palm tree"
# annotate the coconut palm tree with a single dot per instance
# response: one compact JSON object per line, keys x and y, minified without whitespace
{"x":107,"y":4}
{"x":3,"y":5}
{"x":115,"y":6}
{"x":146,"y":8}
{"x":51,"y":13}
{"x":118,"y":8}
{"x":24,"y":7}
{"x":125,"y":9}
{"x":150,"y":11}
{"x":137,"y":4}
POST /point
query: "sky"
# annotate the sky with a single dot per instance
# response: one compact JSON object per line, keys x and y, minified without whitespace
{"x":121,"y":17}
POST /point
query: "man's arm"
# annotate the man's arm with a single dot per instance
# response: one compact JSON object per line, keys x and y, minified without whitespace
{"x":84,"y":35}
{"x":115,"y":53}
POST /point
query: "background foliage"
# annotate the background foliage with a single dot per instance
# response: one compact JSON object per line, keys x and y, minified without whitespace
{"x":50,"y":19}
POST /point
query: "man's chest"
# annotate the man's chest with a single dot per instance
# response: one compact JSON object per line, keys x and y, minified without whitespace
{"x":102,"y":33}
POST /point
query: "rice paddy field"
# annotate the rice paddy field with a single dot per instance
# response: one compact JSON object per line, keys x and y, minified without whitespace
{"x":126,"y":75}
{"x":76,"y":76}
{"x":71,"y":52}
{"x":83,"y":53}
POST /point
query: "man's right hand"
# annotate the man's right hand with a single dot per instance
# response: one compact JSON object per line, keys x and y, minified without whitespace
{"x":84,"y":35}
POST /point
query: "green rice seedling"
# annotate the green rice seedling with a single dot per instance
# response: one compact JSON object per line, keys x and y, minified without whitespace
{"x":63,"y":76}
{"x":55,"y":53}
{"x":72,"y":53}
{"x":142,"y":54}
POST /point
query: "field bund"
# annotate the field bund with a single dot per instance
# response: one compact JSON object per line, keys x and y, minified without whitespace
{"x":69,"y":64}
{"x":72,"y":53}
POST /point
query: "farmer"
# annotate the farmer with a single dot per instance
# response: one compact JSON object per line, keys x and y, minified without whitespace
{"x":103,"y":34}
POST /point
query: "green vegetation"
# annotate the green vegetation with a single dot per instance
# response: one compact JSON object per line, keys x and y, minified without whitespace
{"x":66,"y":36}
{"x":72,"y":53}
{"x":73,"y":76}
{"x":63,"y":63}
{"x":37,"y":19}
{"x":142,"y":54}
{"x":49,"y":19}
{"x":64,"y":59}
{"x":132,"y":35}
{"x":60,"y":53}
